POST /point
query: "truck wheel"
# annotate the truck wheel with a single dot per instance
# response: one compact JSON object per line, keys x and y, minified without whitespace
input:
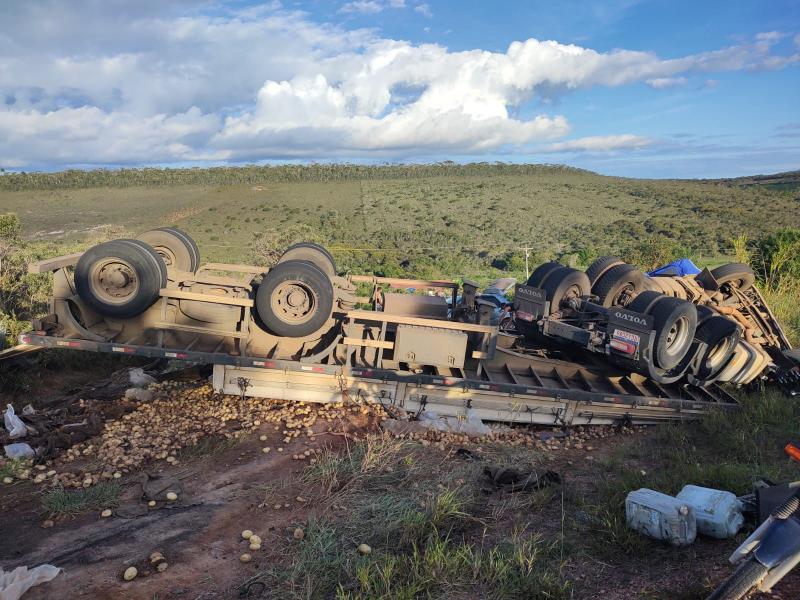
{"x":542,"y":272}
{"x":745,"y":579}
{"x":295,"y":298}
{"x":739,"y":275}
{"x":644,"y":301}
{"x":600,"y":266}
{"x":619,"y":285}
{"x":176,"y":248}
{"x":313,"y":253}
{"x":120,"y":278}
{"x":721,"y":336}
{"x":675,"y":323}
{"x":565,"y":283}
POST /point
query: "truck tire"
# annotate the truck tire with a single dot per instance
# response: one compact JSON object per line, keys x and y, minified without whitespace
{"x":619,"y":285}
{"x":644,"y":301}
{"x":121,"y":278}
{"x":721,"y":336}
{"x":600,"y":266}
{"x":295,"y":299}
{"x":542,"y":272}
{"x":675,"y":323}
{"x":565,"y":283}
{"x":313,"y":253}
{"x":177,"y":249}
{"x":739,"y":275}
{"x":744,"y":580}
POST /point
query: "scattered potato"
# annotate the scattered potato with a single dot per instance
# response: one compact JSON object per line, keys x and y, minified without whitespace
{"x":364,"y":549}
{"x":255,"y":547}
{"x":130,"y":573}
{"x":161,"y":567}
{"x":266,"y":450}
{"x":263,"y":438}
{"x":172,"y":496}
{"x":245,"y":558}
{"x":106,"y":513}
{"x":8,"y":480}
{"x":156,"y":557}
{"x":247,"y":534}
{"x":151,"y":504}
{"x":299,"y":534}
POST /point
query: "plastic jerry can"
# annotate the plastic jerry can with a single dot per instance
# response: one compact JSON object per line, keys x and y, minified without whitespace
{"x":661,"y":517}
{"x":718,"y":513}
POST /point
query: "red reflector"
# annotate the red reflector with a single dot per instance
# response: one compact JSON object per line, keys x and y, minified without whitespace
{"x":622,"y":346}
{"x":525,"y":316}
{"x":25,"y":339}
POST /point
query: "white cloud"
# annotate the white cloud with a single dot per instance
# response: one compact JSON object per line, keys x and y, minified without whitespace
{"x":424,"y":10}
{"x":601,"y":143}
{"x":367,"y":7}
{"x":119,"y":82}
{"x":661,"y":83}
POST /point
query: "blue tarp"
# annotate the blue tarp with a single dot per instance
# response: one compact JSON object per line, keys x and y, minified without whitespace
{"x":682,"y":266}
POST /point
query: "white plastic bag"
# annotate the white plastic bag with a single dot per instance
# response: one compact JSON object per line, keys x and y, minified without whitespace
{"x":19,"y":450}
{"x":139,"y":378}
{"x":16,"y":428}
{"x":14,"y":584}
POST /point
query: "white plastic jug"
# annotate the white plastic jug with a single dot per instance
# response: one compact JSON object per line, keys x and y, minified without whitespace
{"x":719,"y":513}
{"x":661,"y":517}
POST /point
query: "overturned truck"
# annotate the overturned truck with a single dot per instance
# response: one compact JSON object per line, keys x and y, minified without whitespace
{"x":610,"y":345}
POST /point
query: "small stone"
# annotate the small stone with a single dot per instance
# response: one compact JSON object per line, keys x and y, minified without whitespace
{"x":245,"y":558}
{"x":299,"y":534}
{"x":117,"y":475}
{"x":106,"y":513}
{"x":162,"y":566}
{"x":47,"y":524}
{"x":8,"y":480}
{"x":130,"y":573}
{"x":263,"y":438}
{"x":156,"y":557}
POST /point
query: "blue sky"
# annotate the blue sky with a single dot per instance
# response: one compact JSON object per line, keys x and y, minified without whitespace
{"x":623,"y":87}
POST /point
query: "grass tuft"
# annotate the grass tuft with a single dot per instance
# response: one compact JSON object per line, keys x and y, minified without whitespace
{"x":58,"y":501}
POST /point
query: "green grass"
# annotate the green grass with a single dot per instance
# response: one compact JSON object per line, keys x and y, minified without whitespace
{"x":207,"y":446}
{"x":427,"y":526}
{"x":724,"y":450}
{"x":435,"y":221}
{"x":59,"y":502}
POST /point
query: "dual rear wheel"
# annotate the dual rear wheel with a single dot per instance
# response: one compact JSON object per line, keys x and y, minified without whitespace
{"x":121,"y":279}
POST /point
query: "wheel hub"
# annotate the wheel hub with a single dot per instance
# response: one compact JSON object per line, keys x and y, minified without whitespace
{"x":293,"y":302}
{"x":114,"y":280}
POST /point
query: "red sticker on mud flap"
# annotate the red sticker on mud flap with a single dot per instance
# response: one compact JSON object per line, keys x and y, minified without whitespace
{"x":525,"y":316}
{"x":625,"y":341}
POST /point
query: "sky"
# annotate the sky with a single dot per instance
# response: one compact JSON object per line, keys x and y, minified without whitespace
{"x":635,"y":88}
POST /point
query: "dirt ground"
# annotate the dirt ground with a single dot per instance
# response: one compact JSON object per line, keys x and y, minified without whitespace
{"x":240,"y":487}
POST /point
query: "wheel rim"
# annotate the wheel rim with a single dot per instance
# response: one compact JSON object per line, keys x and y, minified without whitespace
{"x":114,"y":281}
{"x":677,"y":336}
{"x":293,"y":302}
{"x":167,"y":255}
{"x":624,"y":296}
{"x":718,"y":353}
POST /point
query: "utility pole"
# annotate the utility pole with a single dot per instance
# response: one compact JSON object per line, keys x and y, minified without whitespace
{"x":527,"y":255}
